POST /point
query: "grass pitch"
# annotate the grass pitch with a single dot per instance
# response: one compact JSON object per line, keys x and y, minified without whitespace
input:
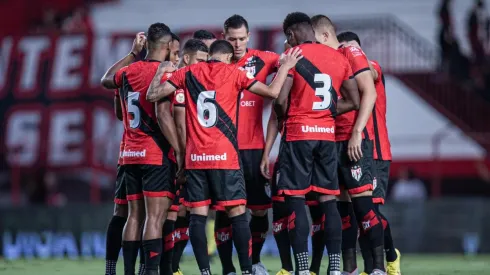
{"x":411,"y":265}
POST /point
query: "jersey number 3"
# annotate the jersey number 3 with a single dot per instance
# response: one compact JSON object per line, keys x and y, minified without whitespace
{"x":323,"y":92}
{"x":207,"y":113}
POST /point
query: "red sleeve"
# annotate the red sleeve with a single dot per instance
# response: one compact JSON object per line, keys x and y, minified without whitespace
{"x":118,"y":76}
{"x":378,"y":70}
{"x":245,"y":79}
{"x":179,"y":98}
{"x":357,"y":59}
{"x":271,"y":59}
{"x":177,"y":78}
{"x":116,"y":93}
{"x":348,"y":70}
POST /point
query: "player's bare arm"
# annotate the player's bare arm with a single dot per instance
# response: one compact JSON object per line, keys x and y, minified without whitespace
{"x":272,"y":132}
{"x":280,"y":106}
{"x":179,"y":118}
{"x":168,"y":128}
{"x":287,"y":61}
{"x":158,"y":90}
{"x":117,"y":108}
{"x":107,"y":80}
{"x":373,"y":71}
{"x":366,"y":88}
{"x":350,"y":97}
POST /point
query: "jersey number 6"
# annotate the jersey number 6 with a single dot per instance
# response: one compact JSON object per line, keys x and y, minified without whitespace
{"x":323,"y":92}
{"x":207,"y":113}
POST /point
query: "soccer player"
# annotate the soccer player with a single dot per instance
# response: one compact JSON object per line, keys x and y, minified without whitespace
{"x":354,"y":140}
{"x":205,"y":36}
{"x":174,"y":49}
{"x":213,"y":168}
{"x":194,"y":51}
{"x":149,"y":173}
{"x":116,"y":225}
{"x":382,"y":160}
{"x":308,"y":155}
{"x":260,"y":64}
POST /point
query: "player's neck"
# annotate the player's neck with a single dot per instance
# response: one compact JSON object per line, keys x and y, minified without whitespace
{"x":333,"y":43}
{"x":155,"y":56}
{"x":307,"y":38}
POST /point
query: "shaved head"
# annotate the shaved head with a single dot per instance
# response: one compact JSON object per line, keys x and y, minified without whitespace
{"x":322,"y":23}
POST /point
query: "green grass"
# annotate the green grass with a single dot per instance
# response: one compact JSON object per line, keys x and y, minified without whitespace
{"x":411,"y":265}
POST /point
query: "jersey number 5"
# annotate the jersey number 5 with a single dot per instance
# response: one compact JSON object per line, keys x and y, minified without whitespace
{"x":207,"y":113}
{"x":133,"y":110}
{"x":323,"y":92}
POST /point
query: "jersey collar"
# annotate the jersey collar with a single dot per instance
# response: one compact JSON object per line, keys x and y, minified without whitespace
{"x":213,"y":61}
{"x":151,"y":60}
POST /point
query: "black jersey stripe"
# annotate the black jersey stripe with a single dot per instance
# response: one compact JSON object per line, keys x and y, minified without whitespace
{"x":307,"y":70}
{"x":224,"y":123}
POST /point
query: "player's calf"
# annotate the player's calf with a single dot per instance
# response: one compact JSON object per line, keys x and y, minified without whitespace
{"x":259,"y":226}
{"x":280,"y":215}
{"x":298,"y":232}
{"x":114,"y":237}
{"x":333,"y":231}
{"x":223,"y":234}
{"x":132,"y":234}
{"x":156,"y":212}
{"x":349,"y":234}
{"x":371,"y":225}
{"x":317,"y":236}
{"x":242,"y":238}
{"x":197,"y":232}
{"x":181,"y":237}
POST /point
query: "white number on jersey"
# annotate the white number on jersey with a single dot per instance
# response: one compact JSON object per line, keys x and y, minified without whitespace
{"x":133,"y":98}
{"x":323,"y":92}
{"x":207,"y":113}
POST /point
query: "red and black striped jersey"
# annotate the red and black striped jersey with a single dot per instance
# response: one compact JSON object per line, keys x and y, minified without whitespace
{"x":144,"y":142}
{"x":382,"y":146}
{"x":345,"y":122}
{"x":212,"y":93}
{"x":312,"y":103}
{"x":250,"y":129}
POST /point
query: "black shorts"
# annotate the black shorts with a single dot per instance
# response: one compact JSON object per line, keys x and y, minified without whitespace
{"x":307,"y":165}
{"x":356,"y":177}
{"x":176,"y":202}
{"x":120,"y":194}
{"x":274,"y":192}
{"x":381,"y":178}
{"x":222,"y":187}
{"x":257,"y":187}
{"x":150,"y":180}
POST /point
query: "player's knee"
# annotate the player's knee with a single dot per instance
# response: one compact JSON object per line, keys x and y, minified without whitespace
{"x":344,"y":195}
{"x":172,"y":215}
{"x":137,"y":210}
{"x":324,"y":198}
{"x":182,"y":211}
{"x":362,"y":194}
{"x":259,"y":213}
{"x":121,"y":210}
{"x":202,"y":211}
{"x":235,"y":210}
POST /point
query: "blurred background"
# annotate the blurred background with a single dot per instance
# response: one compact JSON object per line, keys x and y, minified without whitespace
{"x":59,"y":138}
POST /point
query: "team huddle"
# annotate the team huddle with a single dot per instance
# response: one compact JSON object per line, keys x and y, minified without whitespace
{"x":193,"y":142}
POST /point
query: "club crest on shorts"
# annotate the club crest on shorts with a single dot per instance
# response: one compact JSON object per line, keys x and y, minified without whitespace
{"x":375,"y":183}
{"x":356,"y":172}
{"x":267,"y":188}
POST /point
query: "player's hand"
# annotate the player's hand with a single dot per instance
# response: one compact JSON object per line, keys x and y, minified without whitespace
{"x":138,"y":43}
{"x":290,"y":58}
{"x":264,"y":167}
{"x":167,"y":67}
{"x":354,"y":148}
{"x":180,"y":165}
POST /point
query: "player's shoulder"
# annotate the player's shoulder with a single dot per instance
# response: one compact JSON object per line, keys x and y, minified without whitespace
{"x":353,"y":51}
{"x":261,"y":53}
{"x":375,"y":63}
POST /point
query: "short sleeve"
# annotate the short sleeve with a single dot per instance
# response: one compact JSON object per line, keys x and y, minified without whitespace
{"x":348,"y":70}
{"x":179,"y":98}
{"x":118,"y":76}
{"x":271,"y":59}
{"x":378,"y":70}
{"x":357,"y":59}
{"x":245,"y":79}
{"x":177,"y":78}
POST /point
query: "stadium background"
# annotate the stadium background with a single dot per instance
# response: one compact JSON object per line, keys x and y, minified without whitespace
{"x":59,"y":138}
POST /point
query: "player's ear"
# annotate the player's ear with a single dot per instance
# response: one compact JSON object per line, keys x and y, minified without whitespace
{"x":186,"y":59}
{"x":248,"y":36}
{"x":223,"y":36}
